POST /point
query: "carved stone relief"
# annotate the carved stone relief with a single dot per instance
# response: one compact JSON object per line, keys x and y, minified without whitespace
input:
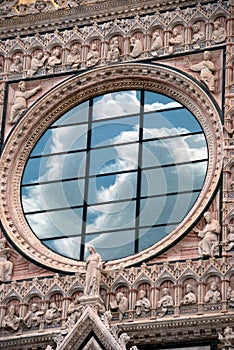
{"x":213,"y":295}
{"x":20,"y":101}
{"x":208,"y":246}
{"x":118,"y":41}
{"x":6,"y":266}
{"x":165,"y":302}
{"x":207,"y":69}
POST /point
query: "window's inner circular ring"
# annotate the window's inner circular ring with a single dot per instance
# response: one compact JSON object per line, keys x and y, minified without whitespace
{"x":119,"y":171}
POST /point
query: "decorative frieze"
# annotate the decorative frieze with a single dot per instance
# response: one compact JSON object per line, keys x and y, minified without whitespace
{"x":156,"y":34}
{"x":30,"y":307}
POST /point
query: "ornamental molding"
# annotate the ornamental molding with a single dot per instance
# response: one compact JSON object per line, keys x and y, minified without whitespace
{"x":14,"y":12}
{"x":24,"y":36}
{"x":75,"y":90}
{"x":81,"y":317}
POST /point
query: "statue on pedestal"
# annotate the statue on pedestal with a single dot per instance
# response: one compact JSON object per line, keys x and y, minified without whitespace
{"x":93,"y":272}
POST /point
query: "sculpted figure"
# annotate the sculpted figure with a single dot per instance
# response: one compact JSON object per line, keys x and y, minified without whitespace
{"x":175,"y":40}
{"x":93,"y":272}
{"x":229,"y":243}
{"x":6,"y":266}
{"x":106,"y":318}
{"x":17,"y":65}
{"x":52,"y":314}
{"x":219,"y":33}
{"x":49,"y":347}
{"x":122,"y":302}
{"x":53,"y":61}
{"x":207,"y":70}
{"x":93,"y":56}
{"x":230,"y":296}
{"x":123,"y":340}
{"x":190,"y":297}
{"x":75,"y":310}
{"x":142,"y":304}
{"x":227,"y":338}
{"x":165,"y":302}
{"x":11,"y":321}
{"x":113,"y":53}
{"x":213,"y":295}
{"x":37,"y":62}
{"x":136,"y":46}
{"x":209,"y":244}
{"x":33,"y":317}
{"x":20,"y":100}
{"x":157,"y":43}
{"x":198,"y":37}
{"x":73,"y":59}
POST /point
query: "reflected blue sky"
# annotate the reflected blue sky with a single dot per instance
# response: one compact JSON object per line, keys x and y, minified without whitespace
{"x":112,"y":175}
{"x":78,"y":114}
{"x":104,"y":133}
{"x":113,"y":245}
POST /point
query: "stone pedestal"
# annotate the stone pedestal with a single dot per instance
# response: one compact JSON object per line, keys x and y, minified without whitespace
{"x":94,"y":301}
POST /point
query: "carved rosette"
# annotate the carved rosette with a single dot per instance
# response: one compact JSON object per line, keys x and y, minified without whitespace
{"x":72,"y":92}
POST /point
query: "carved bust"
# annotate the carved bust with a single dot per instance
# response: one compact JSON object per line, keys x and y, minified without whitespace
{"x":213,"y":295}
{"x":142,"y":304}
{"x":165,"y":302}
{"x":189,"y":297}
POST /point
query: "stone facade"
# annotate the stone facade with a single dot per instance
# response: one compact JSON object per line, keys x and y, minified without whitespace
{"x":56,"y":54}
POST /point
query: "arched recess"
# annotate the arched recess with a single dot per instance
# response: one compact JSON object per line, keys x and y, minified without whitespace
{"x":51,"y":106}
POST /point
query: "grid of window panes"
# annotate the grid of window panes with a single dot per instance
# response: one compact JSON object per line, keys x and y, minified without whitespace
{"x":119,"y":171}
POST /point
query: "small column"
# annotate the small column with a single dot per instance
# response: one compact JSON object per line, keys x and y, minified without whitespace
{"x":104,"y":48}
{"x":65,"y":304}
{"x":153,"y":298}
{"x":147,"y":44}
{"x":224,"y":288}
{"x":208,"y":32}
{"x":132,"y":296}
{"x":126,"y":48}
{"x":176,"y":300}
{"x":23,"y":307}
{"x":200,"y":297}
{"x":83,"y":54}
{"x":64,"y":58}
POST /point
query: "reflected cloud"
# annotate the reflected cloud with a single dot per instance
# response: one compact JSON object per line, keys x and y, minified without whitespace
{"x":116,"y":104}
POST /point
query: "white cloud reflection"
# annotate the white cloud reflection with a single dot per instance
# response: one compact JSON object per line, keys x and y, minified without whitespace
{"x":105,"y":217}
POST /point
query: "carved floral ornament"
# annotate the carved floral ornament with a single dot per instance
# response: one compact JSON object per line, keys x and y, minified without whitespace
{"x":74,"y":91}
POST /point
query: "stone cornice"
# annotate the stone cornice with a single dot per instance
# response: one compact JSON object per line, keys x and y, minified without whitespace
{"x":86,"y":14}
{"x":199,"y":328}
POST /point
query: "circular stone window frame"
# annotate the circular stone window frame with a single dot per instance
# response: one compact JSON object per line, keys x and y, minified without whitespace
{"x":59,"y":100}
